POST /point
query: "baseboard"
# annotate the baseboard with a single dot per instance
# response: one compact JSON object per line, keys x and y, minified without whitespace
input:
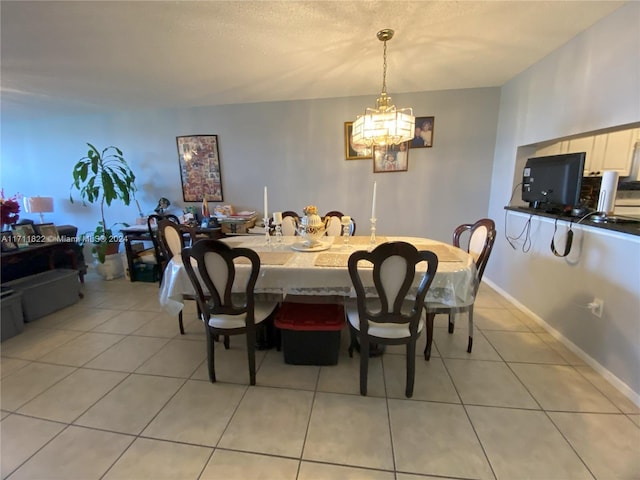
{"x":588,"y":359}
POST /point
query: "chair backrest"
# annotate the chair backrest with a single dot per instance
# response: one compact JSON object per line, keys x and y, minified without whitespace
{"x":394,"y":273}
{"x":482,"y":236}
{"x":334,"y":224}
{"x":152,"y":224}
{"x":174,"y":237}
{"x":290,"y":222}
{"x":215,"y":266}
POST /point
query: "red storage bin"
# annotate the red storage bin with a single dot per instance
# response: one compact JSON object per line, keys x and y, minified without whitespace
{"x":310,"y":332}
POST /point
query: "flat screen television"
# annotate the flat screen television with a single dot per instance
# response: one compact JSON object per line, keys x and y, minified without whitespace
{"x":554,"y":182}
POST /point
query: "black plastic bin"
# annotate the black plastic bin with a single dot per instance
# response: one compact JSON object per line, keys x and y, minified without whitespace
{"x":310,"y":332}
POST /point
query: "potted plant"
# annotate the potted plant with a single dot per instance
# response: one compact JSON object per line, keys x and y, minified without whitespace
{"x":102,"y":177}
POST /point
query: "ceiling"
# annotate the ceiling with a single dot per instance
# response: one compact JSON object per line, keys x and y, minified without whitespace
{"x":79,"y":57}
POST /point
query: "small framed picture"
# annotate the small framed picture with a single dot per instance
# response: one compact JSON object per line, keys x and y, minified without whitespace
{"x":49,"y":233}
{"x":8,"y":242}
{"x":391,"y":158}
{"x":353,"y":151}
{"x":24,"y":234}
{"x":423,"y":136}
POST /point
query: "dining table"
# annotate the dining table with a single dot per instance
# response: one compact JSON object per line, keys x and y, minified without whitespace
{"x":288,"y":266}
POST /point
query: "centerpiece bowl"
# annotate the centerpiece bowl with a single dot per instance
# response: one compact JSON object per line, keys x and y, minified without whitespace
{"x":312,"y":228}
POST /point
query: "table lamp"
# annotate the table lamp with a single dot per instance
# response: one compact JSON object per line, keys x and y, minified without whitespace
{"x":39,"y":205}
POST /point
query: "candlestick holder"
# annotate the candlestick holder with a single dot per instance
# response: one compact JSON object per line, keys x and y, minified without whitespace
{"x":372,"y":240}
{"x":267,"y":237}
{"x":278,"y":233}
{"x":346,"y":233}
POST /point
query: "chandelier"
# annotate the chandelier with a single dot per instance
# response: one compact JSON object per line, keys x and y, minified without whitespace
{"x":384,"y":124}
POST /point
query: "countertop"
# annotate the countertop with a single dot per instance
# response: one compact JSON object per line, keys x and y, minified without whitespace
{"x":629,"y":228}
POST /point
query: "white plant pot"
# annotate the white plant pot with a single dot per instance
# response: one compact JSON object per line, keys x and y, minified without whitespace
{"x":111,"y":268}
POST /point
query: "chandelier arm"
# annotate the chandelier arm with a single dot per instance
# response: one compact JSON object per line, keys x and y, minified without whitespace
{"x":384,"y":68}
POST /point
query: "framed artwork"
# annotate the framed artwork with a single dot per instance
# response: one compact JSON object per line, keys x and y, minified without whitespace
{"x":200,"y":168}
{"x":8,"y":242}
{"x":391,"y":158}
{"x":351,"y":150}
{"x":49,"y":233}
{"x":23,"y":235}
{"x":423,"y":136}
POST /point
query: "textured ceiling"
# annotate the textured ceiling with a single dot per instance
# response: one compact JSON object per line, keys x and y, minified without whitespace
{"x":89,"y":56}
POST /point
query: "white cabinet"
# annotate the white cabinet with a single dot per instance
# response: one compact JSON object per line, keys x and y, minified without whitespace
{"x":553,"y":149}
{"x":606,"y":151}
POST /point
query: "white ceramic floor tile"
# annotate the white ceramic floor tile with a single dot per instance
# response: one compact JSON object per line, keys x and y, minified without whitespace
{"x":85,"y":321}
{"x":161,"y":325}
{"x":634,"y":418}
{"x":568,"y":355}
{"x":128,"y":354}
{"x":345,"y":377}
{"x":274,"y":372}
{"x":608,"y":444}
{"x":35,"y":342}
{"x":231,"y":365}
{"x":125,"y":322}
{"x":431,"y":379}
{"x":152,"y":459}
{"x":130,"y":406}
{"x":28,"y":382}
{"x":561,"y":387}
{"x":76,"y":453}
{"x":613,"y":394}
{"x":323,"y":471}
{"x":455,"y":345}
{"x":249,"y":466}
{"x":494,"y":319}
{"x":177,"y":358}
{"x":269,"y":420}
{"x":73,"y":395}
{"x":436,"y":439}
{"x":21,"y":437}
{"x":336,"y":431}
{"x":81,"y":349}
{"x":10,"y":365}
{"x":523,"y":347}
{"x":525,"y":444}
{"x":197,"y":414}
{"x":481,"y":382}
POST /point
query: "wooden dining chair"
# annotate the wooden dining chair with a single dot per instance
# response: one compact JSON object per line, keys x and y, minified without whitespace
{"x":290,"y":223}
{"x":220,"y":310}
{"x":334,"y":224}
{"x":174,"y":237}
{"x":392,"y":316}
{"x":477,"y":239}
{"x":152,"y":226}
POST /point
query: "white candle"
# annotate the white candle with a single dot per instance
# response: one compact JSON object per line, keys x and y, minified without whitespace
{"x":373,"y":203}
{"x":277,"y":218}
{"x":266,"y":208}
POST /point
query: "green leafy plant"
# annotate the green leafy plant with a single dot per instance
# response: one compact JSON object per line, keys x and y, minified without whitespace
{"x":102,"y":177}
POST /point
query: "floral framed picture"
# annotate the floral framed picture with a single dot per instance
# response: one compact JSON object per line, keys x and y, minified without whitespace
{"x":200,"y":171}
{"x":49,"y":233}
{"x":351,"y":150}
{"x":24,"y":234}
{"x":423,"y":135}
{"x":8,"y":242}
{"x":391,"y":158}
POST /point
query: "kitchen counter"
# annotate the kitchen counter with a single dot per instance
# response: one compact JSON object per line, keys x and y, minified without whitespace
{"x":631,"y":228}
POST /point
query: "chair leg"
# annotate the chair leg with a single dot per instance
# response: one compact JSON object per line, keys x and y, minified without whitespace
{"x":226,"y":342}
{"x":452,"y":321}
{"x":180,"y":323}
{"x":353,"y":344}
{"x":427,"y":348}
{"x":470,"y":346}
{"x":251,"y":354}
{"x":364,"y":364}
{"x":411,"y":367}
{"x":210,"y":356}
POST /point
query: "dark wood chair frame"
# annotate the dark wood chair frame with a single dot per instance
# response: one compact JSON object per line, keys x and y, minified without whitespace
{"x":336,"y":213}
{"x":481,"y":263}
{"x":286,"y":213}
{"x":161,"y":259}
{"x":187,"y":236}
{"x":391,"y":313}
{"x":220,"y":302}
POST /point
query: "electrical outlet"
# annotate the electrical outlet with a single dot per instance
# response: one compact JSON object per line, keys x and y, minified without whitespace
{"x":596,"y":307}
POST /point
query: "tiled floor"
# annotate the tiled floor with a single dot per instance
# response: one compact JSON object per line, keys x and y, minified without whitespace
{"x":109,"y":389}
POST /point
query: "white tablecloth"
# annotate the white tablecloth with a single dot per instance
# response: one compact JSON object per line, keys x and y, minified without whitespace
{"x":453,"y":285}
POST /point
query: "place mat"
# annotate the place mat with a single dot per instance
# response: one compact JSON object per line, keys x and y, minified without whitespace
{"x":268,"y":258}
{"x":362,"y":240}
{"x":332,"y":259}
{"x":444,"y":253}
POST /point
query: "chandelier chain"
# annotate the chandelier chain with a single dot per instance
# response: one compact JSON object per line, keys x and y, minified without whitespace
{"x":384,"y":68}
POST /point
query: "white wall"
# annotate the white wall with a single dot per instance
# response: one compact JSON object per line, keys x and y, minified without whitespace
{"x":589,"y":84}
{"x":296,"y":148}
